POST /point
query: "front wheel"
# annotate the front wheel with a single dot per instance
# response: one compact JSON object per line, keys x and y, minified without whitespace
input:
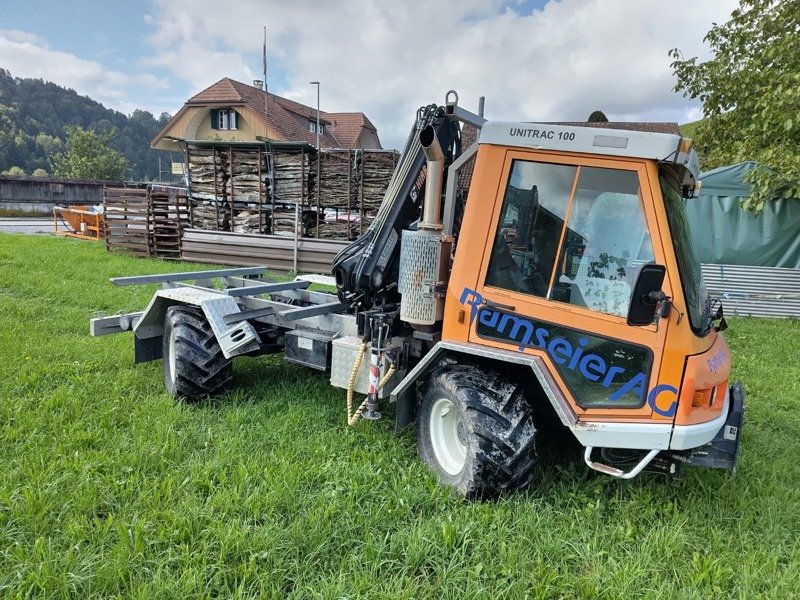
{"x":194,"y":365}
{"x":475,"y":431}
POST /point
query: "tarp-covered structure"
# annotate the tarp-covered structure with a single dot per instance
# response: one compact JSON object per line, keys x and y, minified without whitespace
{"x":725,"y":233}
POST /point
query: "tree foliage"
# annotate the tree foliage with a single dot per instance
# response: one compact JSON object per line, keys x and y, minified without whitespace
{"x":749,"y":91}
{"x":597,"y":116}
{"x":89,"y":156}
{"x":34,"y":115}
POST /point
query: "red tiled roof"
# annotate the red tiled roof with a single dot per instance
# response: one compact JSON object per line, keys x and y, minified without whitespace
{"x":671,"y":128}
{"x":288,"y":118}
{"x":348,"y":126}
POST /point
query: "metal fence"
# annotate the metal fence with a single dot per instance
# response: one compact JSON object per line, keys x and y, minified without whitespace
{"x":755,"y":291}
{"x":273,"y":251}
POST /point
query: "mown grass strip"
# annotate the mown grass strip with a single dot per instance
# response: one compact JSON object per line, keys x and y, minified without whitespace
{"x":109,"y":488}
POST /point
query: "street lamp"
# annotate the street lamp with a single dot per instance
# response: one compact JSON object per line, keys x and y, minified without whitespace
{"x":316,"y":83}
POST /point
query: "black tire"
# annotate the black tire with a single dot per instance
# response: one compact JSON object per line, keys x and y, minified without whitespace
{"x":495,"y":432}
{"x":194,"y":366}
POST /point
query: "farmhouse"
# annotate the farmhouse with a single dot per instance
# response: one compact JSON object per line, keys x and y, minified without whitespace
{"x":231,"y":111}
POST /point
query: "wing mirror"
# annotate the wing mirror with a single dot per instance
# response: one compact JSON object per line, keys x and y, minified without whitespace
{"x":647,"y":296}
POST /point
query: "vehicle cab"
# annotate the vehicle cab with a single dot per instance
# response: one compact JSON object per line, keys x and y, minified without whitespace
{"x":569,"y":233}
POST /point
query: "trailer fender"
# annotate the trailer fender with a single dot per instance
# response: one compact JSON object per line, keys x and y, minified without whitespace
{"x":405,"y":396}
{"x":236,"y":339}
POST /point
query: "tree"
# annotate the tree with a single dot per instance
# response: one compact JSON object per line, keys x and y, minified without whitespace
{"x":14,"y":171}
{"x":749,"y":91}
{"x":88,"y":156}
{"x":597,"y":116}
{"x":39,"y":173}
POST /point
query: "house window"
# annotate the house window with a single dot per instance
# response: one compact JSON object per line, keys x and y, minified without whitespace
{"x":224,"y":118}
{"x":312,"y":127}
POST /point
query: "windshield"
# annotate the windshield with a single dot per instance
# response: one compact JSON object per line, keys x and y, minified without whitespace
{"x":694,"y":289}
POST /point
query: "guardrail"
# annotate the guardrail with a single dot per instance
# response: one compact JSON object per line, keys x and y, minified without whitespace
{"x":273,"y":251}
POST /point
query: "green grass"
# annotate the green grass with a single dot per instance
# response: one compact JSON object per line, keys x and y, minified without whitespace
{"x":109,"y":488}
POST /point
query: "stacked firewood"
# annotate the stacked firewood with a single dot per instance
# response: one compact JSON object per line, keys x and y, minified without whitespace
{"x":208,"y":174}
{"x":338,"y":185}
{"x":291,"y":177}
{"x":376,"y":171}
{"x":208,"y":214}
{"x":249,"y":176}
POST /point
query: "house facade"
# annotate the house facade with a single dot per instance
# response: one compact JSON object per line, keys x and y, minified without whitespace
{"x":231,"y":111}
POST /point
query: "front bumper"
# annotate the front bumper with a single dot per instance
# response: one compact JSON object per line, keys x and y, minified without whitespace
{"x":722,"y":452}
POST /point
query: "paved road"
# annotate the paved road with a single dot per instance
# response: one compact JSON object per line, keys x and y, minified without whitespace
{"x":26,"y":225}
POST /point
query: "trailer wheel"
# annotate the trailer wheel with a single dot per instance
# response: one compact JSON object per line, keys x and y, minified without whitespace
{"x":194,"y":366}
{"x":475,"y":431}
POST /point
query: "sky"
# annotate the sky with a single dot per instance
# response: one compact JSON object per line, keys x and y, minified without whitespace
{"x":548,"y":60}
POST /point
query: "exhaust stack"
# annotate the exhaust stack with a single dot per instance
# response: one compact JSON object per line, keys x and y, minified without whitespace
{"x":424,"y":253}
{"x":431,"y":207}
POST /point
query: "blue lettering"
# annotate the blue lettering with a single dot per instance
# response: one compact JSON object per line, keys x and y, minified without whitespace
{"x":578,"y":351}
{"x":652,"y":399}
{"x":541,"y":337}
{"x":489,"y":317}
{"x":560,"y":350}
{"x":613,"y":371}
{"x":475,"y":301}
{"x":637,"y":385}
{"x":592,"y":367}
{"x":517,"y":324}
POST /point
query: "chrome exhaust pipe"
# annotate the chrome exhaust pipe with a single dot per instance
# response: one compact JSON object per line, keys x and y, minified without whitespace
{"x":431,"y":207}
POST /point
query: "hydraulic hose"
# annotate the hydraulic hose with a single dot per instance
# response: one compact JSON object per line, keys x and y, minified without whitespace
{"x":353,"y":417}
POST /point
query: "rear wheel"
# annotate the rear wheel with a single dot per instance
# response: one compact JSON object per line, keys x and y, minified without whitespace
{"x":475,"y":430}
{"x":194,"y":366}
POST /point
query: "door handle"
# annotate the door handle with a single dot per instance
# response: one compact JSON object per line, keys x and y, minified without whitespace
{"x":493,"y":304}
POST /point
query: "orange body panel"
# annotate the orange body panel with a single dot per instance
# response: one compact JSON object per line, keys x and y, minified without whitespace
{"x":671,"y":340}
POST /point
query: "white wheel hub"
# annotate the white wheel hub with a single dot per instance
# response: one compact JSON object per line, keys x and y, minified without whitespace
{"x":447,"y":436}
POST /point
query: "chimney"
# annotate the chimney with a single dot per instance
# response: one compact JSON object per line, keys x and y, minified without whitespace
{"x":257,"y":83}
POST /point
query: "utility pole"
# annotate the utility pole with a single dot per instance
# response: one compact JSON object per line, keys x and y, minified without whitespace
{"x":319,"y":158}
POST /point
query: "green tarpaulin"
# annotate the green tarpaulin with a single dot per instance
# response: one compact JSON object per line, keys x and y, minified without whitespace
{"x":725,"y":233}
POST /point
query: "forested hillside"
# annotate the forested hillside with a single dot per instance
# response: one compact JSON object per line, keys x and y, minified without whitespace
{"x":34,"y":114}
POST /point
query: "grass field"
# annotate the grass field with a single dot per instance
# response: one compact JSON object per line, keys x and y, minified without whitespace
{"x":110,"y":488}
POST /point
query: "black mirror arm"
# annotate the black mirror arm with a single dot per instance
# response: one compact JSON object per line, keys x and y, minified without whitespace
{"x":664,"y":302}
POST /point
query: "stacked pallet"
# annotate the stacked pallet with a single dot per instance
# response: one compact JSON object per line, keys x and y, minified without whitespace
{"x":127,"y":212}
{"x":291,"y":177}
{"x":169,"y":216}
{"x":376,"y":171}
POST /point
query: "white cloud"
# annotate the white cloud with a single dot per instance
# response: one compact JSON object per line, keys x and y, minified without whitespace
{"x":27,"y":55}
{"x":388,"y":58}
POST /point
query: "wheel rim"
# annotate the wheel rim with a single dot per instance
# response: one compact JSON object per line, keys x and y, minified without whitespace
{"x":172,"y":358}
{"x":447,"y":436}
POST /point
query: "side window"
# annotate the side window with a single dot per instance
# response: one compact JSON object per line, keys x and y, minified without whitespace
{"x":606,"y":242}
{"x":532,"y":218}
{"x":571,"y":234}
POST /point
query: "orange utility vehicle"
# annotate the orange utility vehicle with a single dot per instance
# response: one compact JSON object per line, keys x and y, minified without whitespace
{"x":557,"y":289}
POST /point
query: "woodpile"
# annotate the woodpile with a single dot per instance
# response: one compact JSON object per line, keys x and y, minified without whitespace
{"x":209,"y":214}
{"x":208,"y":173}
{"x":337,"y":173}
{"x":376,"y":171}
{"x":250,"y":190}
{"x":291,"y":177}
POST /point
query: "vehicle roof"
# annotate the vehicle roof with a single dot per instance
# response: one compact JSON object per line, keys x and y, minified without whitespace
{"x":664,"y":147}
